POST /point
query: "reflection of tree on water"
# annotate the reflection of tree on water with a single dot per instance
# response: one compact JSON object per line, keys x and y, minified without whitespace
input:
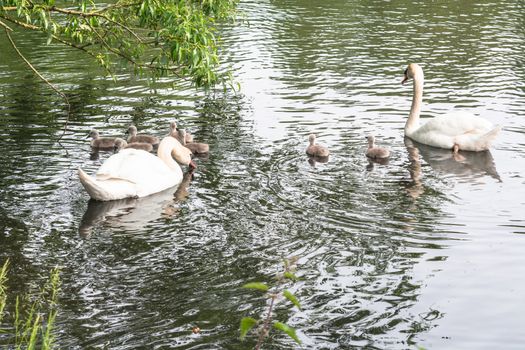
{"x":135,"y":213}
{"x":467,"y":166}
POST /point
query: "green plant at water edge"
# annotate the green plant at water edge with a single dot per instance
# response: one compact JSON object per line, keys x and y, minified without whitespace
{"x":273,"y":294}
{"x":34,"y":315}
{"x":3,"y":290}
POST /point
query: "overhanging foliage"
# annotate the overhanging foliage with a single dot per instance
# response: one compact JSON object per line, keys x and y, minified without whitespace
{"x":154,"y":37}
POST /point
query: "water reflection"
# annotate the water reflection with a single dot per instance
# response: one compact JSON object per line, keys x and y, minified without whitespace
{"x":373,"y":161}
{"x":371,"y":245}
{"x":135,"y":213}
{"x":312,"y":160}
{"x":466,"y":166}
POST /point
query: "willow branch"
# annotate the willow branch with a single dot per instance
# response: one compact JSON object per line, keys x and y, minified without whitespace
{"x":5,"y":26}
{"x":119,"y":53}
{"x":43,"y":79}
{"x":118,"y":6}
{"x":98,"y":13}
{"x":94,"y":14}
{"x":108,"y":47}
{"x":173,"y":70}
{"x":21,"y":24}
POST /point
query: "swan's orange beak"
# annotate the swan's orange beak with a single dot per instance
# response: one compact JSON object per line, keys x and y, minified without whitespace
{"x":192,"y":165}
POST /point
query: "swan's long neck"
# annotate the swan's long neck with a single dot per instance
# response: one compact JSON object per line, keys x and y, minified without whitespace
{"x":166,"y":146}
{"x":417,"y":99}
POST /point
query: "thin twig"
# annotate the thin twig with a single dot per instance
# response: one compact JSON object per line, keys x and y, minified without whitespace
{"x":44,"y":79}
{"x":118,"y":6}
{"x":173,"y":70}
{"x":108,"y":47}
{"x":94,"y":14}
{"x":266,"y":324}
{"x":5,"y":26}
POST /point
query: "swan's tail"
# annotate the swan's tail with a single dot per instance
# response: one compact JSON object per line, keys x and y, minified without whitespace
{"x":485,"y":141}
{"x":94,"y":190}
{"x":470,"y":142}
{"x":109,"y":189}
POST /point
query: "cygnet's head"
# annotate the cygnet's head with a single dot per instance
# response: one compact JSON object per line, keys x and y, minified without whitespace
{"x":132,"y":130}
{"x":120,"y":144}
{"x":311,"y":138}
{"x":93,"y":134}
{"x":173,"y":129}
{"x":371,"y":139}
{"x":411,"y":72}
{"x":182,"y":135}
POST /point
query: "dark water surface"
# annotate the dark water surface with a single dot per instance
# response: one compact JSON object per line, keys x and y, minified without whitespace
{"x":426,"y":250}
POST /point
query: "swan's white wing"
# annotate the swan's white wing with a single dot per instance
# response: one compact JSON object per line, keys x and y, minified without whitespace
{"x":457,"y":123}
{"x":148,"y":172}
{"x":471,"y":133}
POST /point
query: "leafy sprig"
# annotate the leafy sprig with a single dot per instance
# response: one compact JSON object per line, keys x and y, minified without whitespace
{"x":273,"y":293}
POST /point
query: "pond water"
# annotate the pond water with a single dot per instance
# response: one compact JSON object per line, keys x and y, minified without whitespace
{"x":426,"y":250}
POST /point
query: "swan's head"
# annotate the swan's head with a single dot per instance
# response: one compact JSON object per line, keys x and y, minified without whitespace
{"x":311,"y":138}
{"x":119,"y":144}
{"x":413,"y":70}
{"x":132,"y":130}
{"x":93,"y":134}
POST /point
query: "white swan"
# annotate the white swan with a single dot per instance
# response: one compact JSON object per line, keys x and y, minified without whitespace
{"x":456,"y":131}
{"x":137,"y":173}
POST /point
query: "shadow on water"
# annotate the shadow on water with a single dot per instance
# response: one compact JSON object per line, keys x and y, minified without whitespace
{"x":134,"y":213}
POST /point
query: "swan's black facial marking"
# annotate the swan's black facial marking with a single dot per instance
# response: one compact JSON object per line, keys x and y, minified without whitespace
{"x":405,"y":76}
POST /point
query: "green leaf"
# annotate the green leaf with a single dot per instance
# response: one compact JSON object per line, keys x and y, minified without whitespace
{"x":247,"y":323}
{"x":291,"y":276}
{"x":49,"y":38}
{"x":288,"y":295}
{"x":288,"y":330}
{"x":256,"y":285}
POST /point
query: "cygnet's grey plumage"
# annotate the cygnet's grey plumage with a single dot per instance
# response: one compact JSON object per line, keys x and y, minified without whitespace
{"x":101,"y":142}
{"x":315,"y":150}
{"x":374,"y":151}
{"x":121,"y":144}
{"x":134,"y":137}
{"x":194,"y":147}
{"x":188,"y":138}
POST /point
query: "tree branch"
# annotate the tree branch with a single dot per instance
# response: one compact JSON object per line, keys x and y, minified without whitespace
{"x":94,"y":14}
{"x":5,"y":26}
